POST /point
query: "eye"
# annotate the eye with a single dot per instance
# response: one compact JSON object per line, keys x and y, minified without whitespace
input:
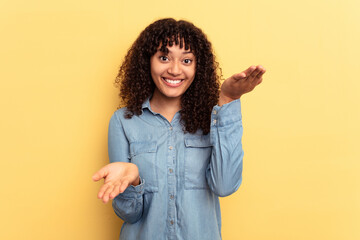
{"x":163,"y":58}
{"x":188,"y":61}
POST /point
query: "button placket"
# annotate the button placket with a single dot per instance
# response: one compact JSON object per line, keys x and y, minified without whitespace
{"x":171,"y":177}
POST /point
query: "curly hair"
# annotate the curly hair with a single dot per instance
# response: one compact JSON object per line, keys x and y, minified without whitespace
{"x":136,"y":84}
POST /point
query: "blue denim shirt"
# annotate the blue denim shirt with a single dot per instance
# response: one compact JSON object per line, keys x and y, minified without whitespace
{"x":182,"y":174}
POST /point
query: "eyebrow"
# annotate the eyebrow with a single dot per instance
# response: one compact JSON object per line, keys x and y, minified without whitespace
{"x":188,"y":52}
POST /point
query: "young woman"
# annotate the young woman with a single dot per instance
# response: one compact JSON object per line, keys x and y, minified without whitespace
{"x":176,"y":145}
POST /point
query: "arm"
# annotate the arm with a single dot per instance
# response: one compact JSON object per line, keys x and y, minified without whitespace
{"x":224,"y":173}
{"x":122,"y":181}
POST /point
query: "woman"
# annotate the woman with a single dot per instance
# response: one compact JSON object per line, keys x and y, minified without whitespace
{"x":176,"y":145}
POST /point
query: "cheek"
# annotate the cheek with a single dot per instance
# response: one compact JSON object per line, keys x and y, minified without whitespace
{"x":156,"y":69}
{"x":191,"y":73}
{"x":153,"y":66}
{"x":154,"y":73}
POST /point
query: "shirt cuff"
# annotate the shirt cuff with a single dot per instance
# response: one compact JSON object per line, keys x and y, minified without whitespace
{"x":227,"y":113}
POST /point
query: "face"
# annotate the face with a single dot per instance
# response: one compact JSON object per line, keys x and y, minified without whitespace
{"x":172,"y":72}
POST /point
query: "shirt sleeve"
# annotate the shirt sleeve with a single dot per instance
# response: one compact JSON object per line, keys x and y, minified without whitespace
{"x":224,"y":173}
{"x":129,"y":204}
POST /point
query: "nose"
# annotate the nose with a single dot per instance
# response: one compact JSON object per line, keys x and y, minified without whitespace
{"x":174,"y":68}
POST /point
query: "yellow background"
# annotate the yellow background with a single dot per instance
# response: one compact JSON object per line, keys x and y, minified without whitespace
{"x":58,"y":61}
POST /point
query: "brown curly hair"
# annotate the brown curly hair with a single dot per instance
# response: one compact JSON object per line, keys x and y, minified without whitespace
{"x":136,"y":84}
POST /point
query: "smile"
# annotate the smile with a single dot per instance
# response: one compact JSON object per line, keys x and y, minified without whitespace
{"x":172,"y":82}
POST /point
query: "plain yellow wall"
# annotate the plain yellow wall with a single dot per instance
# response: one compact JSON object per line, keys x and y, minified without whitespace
{"x":58,"y":61}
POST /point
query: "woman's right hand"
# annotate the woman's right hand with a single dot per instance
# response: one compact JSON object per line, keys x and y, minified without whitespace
{"x":117,"y":177}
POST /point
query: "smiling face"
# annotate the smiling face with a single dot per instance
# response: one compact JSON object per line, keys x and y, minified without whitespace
{"x":172,"y":73}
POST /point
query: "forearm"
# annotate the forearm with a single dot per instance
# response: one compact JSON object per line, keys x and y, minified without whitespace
{"x":129,"y":204}
{"x":224,"y":173}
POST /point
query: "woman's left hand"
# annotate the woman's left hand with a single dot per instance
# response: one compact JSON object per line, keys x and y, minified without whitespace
{"x":240,"y":83}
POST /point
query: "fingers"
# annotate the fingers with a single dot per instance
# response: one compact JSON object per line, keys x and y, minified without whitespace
{"x":239,"y":76}
{"x":256,"y":75}
{"x":103,"y":172}
{"x":115,"y":191}
{"x":252,"y":73}
{"x":116,"y":179}
{"x":250,"y":70}
{"x":106,"y":195}
{"x":118,"y":189}
{"x":245,"y":73}
{"x":261,"y":72}
{"x":108,"y":191}
{"x":102,"y":190}
{"x":123,"y":186}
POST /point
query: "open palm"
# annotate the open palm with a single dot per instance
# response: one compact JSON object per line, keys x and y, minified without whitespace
{"x":240,"y":83}
{"x":117,"y":177}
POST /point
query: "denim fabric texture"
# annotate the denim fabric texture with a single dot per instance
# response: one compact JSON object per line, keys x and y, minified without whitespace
{"x":182,"y":174}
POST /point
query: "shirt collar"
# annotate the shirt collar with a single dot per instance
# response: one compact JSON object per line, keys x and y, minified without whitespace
{"x":146,"y":104}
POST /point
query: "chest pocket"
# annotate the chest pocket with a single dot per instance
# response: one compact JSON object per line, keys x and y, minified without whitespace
{"x":143,"y":155}
{"x":197,"y":159}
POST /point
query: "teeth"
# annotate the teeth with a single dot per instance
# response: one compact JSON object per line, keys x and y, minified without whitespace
{"x":172,"y":81}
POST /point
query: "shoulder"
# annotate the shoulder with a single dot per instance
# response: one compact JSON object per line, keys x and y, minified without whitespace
{"x":120,"y":116}
{"x":120,"y":113}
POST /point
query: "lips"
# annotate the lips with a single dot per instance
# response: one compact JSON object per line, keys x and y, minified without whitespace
{"x":172,"y":82}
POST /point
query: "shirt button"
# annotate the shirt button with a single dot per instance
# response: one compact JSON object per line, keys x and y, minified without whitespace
{"x":171,"y":147}
{"x":214,"y":121}
{"x":171,"y":128}
{"x":172,"y":222}
{"x":171,"y":197}
{"x":214,"y":112}
{"x":171,"y":170}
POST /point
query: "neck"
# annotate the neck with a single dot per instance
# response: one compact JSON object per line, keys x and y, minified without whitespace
{"x":166,"y":106}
